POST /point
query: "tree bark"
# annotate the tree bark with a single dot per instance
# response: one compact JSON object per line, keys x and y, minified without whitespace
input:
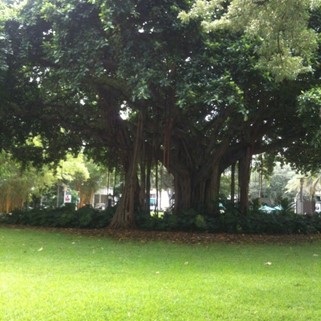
{"x":183,"y":188}
{"x":212,"y":191}
{"x":233,"y":184}
{"x":148,"y":184}
{"x":125,"y":212}
{"x":244,"y":179}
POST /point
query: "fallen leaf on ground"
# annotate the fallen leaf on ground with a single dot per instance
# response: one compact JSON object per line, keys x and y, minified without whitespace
{"x":185,"y":237}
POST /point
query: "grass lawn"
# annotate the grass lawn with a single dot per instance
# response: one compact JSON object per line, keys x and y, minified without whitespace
{"x":56,"y":276}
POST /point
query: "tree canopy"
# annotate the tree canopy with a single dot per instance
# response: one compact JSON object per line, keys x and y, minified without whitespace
{"x":131,"y":85}
{"x":285,"y":43}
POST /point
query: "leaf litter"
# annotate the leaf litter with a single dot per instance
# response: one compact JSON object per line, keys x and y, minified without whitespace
{"x":143,"y":236}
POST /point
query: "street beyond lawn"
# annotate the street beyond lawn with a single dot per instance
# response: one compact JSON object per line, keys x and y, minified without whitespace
{"x":53,"y":275}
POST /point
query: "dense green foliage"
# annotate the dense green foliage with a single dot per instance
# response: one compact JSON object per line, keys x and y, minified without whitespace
{"x":194,"y":101}
{"x":256,"y":222}
{"x":229,"y":221}
{"x":66,"y":216}
{"x":286,"y":42}
{"x":23,"y":185}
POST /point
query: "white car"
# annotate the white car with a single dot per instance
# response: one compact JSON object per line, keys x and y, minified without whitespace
{"x":100,"y":206}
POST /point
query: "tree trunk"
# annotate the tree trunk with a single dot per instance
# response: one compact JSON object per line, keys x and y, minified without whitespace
{"x":183,"y":188}
{"x":244,"y":180}
{"x":148,"y":184}
{"x":199,"y":194}
{"x":212,"y":191}
{"x":142,"y":190}
{"x":156,"y":187}
{"x":125,"y":212}
{"x":196,"y":192}
{"x":233,"y":184}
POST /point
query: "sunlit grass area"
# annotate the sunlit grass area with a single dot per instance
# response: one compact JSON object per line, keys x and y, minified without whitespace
{"x":57,"y":276}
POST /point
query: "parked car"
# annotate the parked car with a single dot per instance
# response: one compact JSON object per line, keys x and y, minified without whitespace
{"x":100,"y":206}
{"x":270,"y":209}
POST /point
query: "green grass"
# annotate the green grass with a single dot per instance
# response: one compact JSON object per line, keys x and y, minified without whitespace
{"x":55,"y":276}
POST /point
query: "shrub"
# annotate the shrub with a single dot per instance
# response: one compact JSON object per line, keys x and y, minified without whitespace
{"x":12,"y":218}
{"x":66,"y":216}
{"x":85,"y":216}
{"x":200,"y":222}
{"x":256,"y":222}
{"x":102,"y":219}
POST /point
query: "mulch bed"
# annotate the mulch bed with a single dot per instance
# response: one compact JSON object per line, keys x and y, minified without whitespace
{"x":200,"y":238}
{"x":181,"y":237}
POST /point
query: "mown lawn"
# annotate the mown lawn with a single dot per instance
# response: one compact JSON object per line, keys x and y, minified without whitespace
{"x":56,"y":276}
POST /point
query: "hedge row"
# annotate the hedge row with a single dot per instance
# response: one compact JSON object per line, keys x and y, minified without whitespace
{"x":85,"y":217}
{"x":254,"y":223}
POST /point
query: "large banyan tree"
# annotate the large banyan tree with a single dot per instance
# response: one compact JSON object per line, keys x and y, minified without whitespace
{"x":194,"y":101}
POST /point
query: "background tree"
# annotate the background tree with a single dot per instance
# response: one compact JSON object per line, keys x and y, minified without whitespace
{"x":20,"y":184}
{"x":285,"y":41}
{"x":98,"y":178}
{"x":310,"y":184}
{"x":269,"y":184}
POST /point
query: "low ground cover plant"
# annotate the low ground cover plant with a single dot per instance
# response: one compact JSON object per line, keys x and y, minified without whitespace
{"x":229,"y":221}
{"x":67,"y":216}
{"x":256,"y":222}
{"x":56,"y":276}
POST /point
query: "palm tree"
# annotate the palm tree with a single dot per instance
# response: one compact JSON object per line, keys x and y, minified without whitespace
{"x":306,"y":185}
